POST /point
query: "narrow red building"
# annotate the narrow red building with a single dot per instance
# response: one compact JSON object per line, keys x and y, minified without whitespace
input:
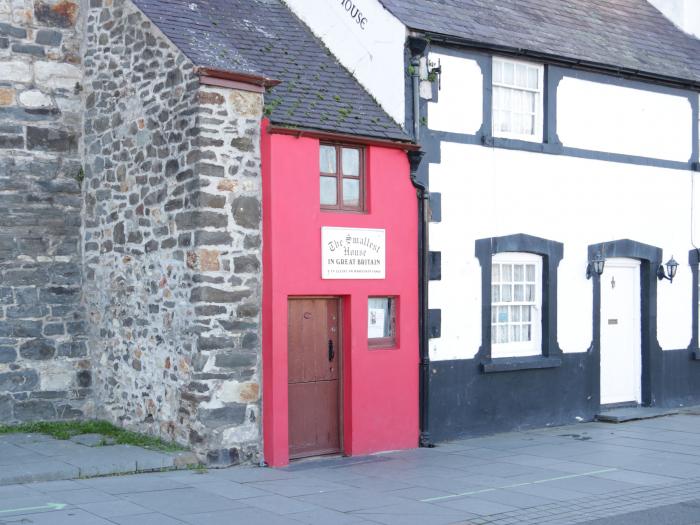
{"x":340,"y":295}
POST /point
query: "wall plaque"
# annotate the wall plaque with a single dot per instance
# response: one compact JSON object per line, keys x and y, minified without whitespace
{"x":353,"y":253}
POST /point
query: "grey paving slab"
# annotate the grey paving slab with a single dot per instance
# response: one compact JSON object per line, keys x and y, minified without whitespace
{"x":81,"y":496}
{"x":62,"y":517}
{"x":351,"y":500}
{"x":548,"y":491}
{"x":279,"y":504}
{"x":231,"y":489}
{"x":678,"y":514}
{"x":153,"y":518}
{"x":139,"y":483}
{"x":113,"y":509}
{"x":476,"y":505}
{"x":243,"y":516}
{"x":48,"y":487}
{"x":179,"y":502}
{"x":46,"y":470}
{"x":10,"y":492}
{"x":413,"y":513}
{"x":327,"y":517}
{"x":302,"y":487}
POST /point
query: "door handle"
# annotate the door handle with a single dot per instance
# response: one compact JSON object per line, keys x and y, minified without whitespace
{"x":331,"y":353}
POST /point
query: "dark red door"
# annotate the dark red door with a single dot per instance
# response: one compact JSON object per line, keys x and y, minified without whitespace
{"x":314,"y":385}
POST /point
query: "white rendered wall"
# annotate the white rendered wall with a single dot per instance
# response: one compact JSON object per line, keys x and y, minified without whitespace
{"x":685,"y":14}
{"x":614,"y":119}
{"x":374,"y":54}
{"x":489,"y":192}
{"x":459,"y":108}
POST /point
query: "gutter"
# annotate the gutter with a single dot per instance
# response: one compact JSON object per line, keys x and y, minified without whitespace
{"x":557,"y":60}
{"x":360,"y":140}
{"x":232,"y":79}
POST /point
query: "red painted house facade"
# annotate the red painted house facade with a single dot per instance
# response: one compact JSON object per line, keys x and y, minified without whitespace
{"x":333,"y":382}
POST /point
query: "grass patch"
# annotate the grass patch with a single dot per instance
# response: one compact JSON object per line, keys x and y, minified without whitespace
{"x":68,"y":429}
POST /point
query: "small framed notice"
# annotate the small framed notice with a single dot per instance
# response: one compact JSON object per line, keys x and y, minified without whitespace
{"x":353,"y":253}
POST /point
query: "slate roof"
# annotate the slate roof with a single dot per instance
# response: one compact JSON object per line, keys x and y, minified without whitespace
{"x":263,"y":37}
{"x":628,"y":34}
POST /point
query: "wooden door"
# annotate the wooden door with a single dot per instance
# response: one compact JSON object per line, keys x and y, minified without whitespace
{"x":620,"y":333}
{"x":314,"y":379}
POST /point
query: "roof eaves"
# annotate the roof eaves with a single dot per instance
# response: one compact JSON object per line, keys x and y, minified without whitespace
{"x":644,"y":76}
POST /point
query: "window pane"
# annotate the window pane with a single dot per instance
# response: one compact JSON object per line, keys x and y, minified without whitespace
{"x":529,"y":101}
{"x":495,"y":294}
{"x":515,"y":332}
{"x":502,"y":334}
{"x":517,"y":123}
{"x":532,"y":78}
{"x":502,"y":314}
{"x":530,"y":272}
{"x":515,"y":313}
{"x":521,"y":75}
{"x":381,"y":317}
{"x":328,"y":159}
{"x":518,"y":293}
{"x":495,"y":273}
{"x":527,"y":314}
{"x":506,"y":293}
{"x":497,"y":71}
{"x":328,"y":191}
{"x":530,"y":293}
{"x":508,"y":73}
{"x":351,"y":162}
{"x":527,"y":332}
{"x":351,"y":192}
{"x":507,"y":273}
{"x":518,"y":273}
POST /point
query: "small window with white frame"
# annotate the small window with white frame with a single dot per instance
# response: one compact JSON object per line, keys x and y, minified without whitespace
{"x":516,"y":305}
{"x":517,"y":99}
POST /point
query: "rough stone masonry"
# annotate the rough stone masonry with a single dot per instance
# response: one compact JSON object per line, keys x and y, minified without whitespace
{"x":165,"y":286}
{"x":45,"y":370}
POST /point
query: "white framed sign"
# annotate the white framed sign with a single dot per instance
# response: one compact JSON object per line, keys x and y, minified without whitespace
{"x":353,"y":253}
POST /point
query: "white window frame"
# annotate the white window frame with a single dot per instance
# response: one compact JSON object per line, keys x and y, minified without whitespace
{"x":539,"y":101}
{"x":521,"y":348}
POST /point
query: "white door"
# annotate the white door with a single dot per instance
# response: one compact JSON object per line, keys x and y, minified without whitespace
{"x":620,"y":332}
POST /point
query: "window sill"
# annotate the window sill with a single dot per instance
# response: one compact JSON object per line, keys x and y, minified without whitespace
{"x":512,"y":364}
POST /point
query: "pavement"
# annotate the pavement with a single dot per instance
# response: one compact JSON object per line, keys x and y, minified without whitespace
{"x":26,"y":458}
{"x":638,"y":472}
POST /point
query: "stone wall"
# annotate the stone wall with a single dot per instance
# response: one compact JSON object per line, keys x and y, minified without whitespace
{"x":45,"y":372}
{"x":171,"y":240}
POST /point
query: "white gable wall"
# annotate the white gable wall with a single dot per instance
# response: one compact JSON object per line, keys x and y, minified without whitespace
{"x":685,"y":14}
{"x":459,"y":108}
{"x":373,"y":51}
{"x":615,"y":119}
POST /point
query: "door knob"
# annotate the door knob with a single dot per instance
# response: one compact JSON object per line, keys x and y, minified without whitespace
{"x":331,"y":353}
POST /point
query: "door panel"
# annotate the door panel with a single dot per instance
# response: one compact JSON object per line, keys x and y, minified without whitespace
{"x":314,"y":379}
{"x":620,"y":332}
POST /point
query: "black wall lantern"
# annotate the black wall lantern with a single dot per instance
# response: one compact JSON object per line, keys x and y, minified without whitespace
{"x":670,"y":273}
{"x":596,"y":265}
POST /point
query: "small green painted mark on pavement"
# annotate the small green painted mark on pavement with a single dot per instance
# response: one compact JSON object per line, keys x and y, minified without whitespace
{"x":481,"y":491}
{"x":48,"y":506}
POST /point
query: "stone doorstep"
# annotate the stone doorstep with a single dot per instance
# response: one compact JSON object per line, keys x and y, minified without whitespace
{"x":622,"y":415}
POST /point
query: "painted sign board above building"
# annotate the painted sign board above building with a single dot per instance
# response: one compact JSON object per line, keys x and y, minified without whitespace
{"x":353,"y":253}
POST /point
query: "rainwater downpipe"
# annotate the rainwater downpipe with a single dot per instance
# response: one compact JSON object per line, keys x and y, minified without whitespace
{"x":417,"y":47}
